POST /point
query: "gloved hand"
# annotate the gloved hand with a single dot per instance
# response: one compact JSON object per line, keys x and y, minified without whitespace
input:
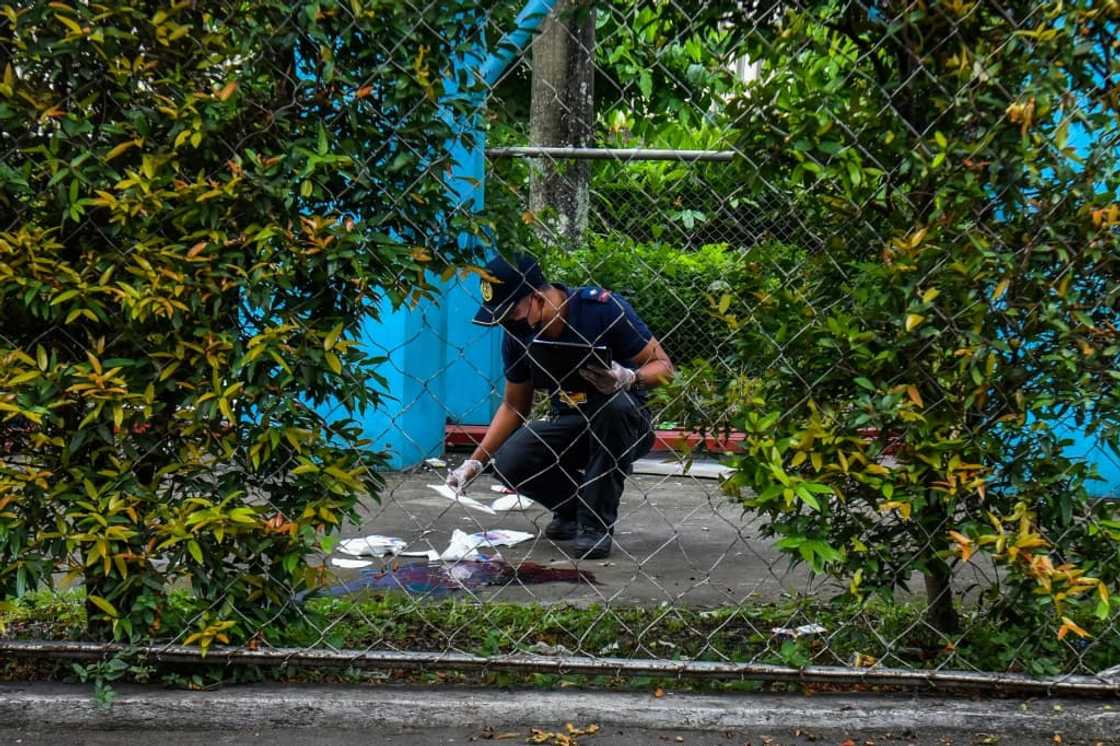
{"x":618,"y":378}
{"x":458,"y":479}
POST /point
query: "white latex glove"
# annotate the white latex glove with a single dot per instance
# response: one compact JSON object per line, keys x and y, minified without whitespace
{"x":459,"y":478}
{"x":618,"y":378}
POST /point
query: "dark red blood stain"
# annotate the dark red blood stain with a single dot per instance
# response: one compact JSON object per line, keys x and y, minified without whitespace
{"x":425,"y":579}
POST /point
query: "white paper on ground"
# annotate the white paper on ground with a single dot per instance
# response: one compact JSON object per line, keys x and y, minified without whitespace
{"x":465,"y":546}
{"x":352,"y":563}
{"x":372,"y":546}
{"x":511,"y":502}
{"x":501,"y":488}
{"x":430,"y":554}
{"x":444,"y":491}
{"x":462,"y":547}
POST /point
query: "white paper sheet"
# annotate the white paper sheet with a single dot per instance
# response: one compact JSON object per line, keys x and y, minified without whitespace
{"x":511,"y":502}
{"x":429,"y":554}
{"x":350,"y":563}
{"x":465,"y":546}
{"x":462,"y":547}
{"x":446,"y":492}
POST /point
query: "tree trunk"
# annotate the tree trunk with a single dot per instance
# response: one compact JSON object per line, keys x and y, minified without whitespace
{"x":563,"y":115}
{"x":939,"y":596}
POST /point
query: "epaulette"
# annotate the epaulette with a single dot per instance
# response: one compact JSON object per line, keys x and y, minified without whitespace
{"x":597,"y":294}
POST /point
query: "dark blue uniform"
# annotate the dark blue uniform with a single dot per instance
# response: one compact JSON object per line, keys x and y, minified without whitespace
{"x":576,"y":462}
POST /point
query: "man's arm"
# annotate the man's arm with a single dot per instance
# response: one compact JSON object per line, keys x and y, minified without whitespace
{"x":654,"y":365}
{"x":512,"y":413}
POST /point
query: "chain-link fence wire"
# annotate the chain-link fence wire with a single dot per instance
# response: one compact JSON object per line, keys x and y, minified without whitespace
{"x":690,"y":575}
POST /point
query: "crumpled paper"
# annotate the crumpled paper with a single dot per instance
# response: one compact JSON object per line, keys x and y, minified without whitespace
{"x":465,"y":546}
{"x":795,"y":632}
{"x":372,"y":546}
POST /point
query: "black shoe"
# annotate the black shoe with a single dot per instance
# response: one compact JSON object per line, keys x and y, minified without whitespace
{"x":592,"y":544}
{"x":561,"y":529}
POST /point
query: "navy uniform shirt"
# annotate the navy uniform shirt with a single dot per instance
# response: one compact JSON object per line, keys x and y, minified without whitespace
{"x":595,"y":316}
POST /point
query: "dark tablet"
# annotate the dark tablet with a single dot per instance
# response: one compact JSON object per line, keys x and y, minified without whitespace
{"x":557,"y":364}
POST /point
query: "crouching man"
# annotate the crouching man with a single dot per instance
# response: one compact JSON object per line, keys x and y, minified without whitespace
{"x":575,"y":462}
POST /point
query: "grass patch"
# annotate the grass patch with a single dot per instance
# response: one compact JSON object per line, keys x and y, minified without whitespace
{"x":891,"y":634}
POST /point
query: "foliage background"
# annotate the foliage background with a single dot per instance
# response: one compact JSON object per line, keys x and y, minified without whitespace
{"x":202,"y":204}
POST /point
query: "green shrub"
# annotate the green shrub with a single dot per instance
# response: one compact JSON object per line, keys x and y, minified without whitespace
{"x":962,"y":314}
{"x":667,"y":286}
{"x":198,"y":202}
{"x":677,"y":291}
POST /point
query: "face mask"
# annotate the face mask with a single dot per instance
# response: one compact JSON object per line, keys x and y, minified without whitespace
{"x":518,"y":327}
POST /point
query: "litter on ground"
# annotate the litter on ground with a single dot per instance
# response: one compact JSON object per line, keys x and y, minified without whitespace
{"x":511,"y":502}
{"x":446,"y":492}
{"x":795,"y":632}
{"x":429,"y":554}
{"x":350,"y":563}
{"x":372,"y":546}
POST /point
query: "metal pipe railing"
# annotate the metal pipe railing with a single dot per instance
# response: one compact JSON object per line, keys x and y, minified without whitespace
{"x":618,"y":154}
{"x":520,"y":663}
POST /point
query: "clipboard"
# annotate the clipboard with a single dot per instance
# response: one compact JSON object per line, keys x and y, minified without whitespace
{"x":557,"y":364}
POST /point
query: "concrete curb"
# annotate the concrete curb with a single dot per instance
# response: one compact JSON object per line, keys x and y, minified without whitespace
{"x":263,"y":706}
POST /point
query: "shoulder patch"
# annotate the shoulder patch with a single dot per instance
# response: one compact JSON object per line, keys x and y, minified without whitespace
{"x":597,"y":294}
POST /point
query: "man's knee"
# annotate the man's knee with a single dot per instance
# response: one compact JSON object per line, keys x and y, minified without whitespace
{"x":509,"y":465}
{"x":519,"y":459}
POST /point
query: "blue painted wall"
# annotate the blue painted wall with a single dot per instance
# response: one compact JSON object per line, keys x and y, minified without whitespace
{"x":441,"y":366}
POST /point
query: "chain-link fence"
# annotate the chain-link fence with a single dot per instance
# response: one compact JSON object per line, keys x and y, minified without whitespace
{"x":817,"y":381}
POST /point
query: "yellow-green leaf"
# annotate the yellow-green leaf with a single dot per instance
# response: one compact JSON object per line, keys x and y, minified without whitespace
{"x":332,"y":337}
{"x":1001,"y":288}
{"x":913,"y":320}
{"x":104,"y":605}
{"x":120,"y":149}
{"x":69,"y":23}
